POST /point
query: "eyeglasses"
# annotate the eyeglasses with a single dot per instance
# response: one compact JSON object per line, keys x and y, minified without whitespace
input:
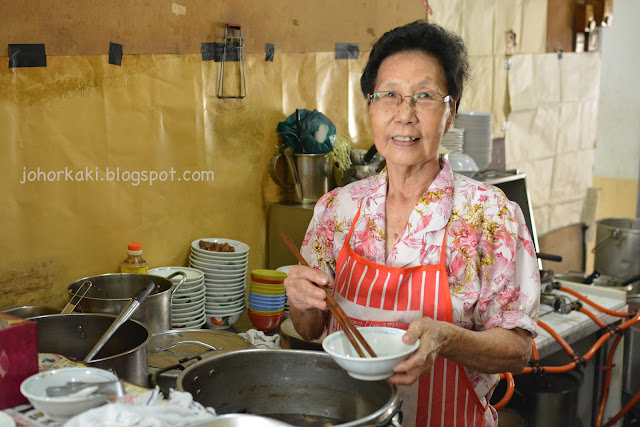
{"x":425,"y":99}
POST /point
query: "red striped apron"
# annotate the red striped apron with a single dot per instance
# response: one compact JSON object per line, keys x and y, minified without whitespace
{"x":373,"y":294}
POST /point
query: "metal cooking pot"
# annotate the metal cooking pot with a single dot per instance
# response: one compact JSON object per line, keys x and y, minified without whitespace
{"x":617,"y":247}
{"x":172,"y":351}
{"x":298,"y":387}
{"x":74,"y":335}
{"x":111,"y":293}
{"x":551,"y":400}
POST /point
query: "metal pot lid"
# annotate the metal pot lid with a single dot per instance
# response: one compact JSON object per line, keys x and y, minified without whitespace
{"x":169,"y":348}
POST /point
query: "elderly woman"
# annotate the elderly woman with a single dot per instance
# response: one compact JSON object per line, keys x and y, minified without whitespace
{"x":418,"y":247}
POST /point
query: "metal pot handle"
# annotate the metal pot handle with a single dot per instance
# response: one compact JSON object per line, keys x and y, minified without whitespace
{"x":184,"y":278}
{"x":77,"y":297}
{"x":179,"y":365}
{"x":615,"y":234}
{"x":273,"y":171}
{"x":205,"y":345}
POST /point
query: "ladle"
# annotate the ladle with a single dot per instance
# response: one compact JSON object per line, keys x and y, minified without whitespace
{"x":124,"y":315}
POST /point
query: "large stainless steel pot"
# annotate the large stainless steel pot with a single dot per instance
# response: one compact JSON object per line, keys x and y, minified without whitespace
{"x":27,"y":311}
{"x":550,"y":400}
{"x":617,"y":247}
{"x":298,"y":387}
{"x":74,"y":335}
{"x":111,"y":293}
{"x":172,"y":351}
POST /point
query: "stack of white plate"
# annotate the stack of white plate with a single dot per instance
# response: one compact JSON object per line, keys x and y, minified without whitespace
{"x":477,"y":135}
{"x":225,"y":276}
{"x":187,"y":302}
{"x":453,"y":140}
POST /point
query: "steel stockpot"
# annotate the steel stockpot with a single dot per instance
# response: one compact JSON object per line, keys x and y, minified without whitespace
{"x":74,"y":335}
{"x":617,"y":247}
{"x":298,"y":387}
{"x":111,"y":293}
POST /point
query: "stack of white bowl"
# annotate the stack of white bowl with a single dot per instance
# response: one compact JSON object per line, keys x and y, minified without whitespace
{"x":187,"y":302}
{"x":225,"y":275}
{"x":477,"y":135}
{"x":453,"y":140}
{"x":285,"y":269}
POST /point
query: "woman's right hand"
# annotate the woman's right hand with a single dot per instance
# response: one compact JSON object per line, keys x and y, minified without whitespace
{"x":302,"y":292}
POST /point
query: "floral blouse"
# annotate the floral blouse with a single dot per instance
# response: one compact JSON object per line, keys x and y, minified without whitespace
{"x":491,"y":261}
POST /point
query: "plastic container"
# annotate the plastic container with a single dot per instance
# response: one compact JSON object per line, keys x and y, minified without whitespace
{"x":134,"y":263}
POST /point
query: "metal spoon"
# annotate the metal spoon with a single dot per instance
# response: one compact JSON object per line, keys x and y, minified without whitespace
{"x":81,"y":388}
{"x":124,"y":315}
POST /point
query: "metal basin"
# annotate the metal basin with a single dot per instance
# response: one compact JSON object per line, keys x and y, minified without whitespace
{"x":74,"y":335}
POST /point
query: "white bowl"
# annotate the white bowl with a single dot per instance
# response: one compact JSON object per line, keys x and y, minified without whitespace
{"x":285,"y":268}
{"x":181,"y":311}
{"x":215,"y":311}
{"x":225,"y":293}
{"x":385,"y":342}
{"x":240,"y":248}
{"x":222,"y":321}
{"x":193,"y":274}
{"x":214,"y":274}
{"x":462,"y":162}
{"x":211,"y":256}
{"x":34,"y":388}
{"x":229,"y":287}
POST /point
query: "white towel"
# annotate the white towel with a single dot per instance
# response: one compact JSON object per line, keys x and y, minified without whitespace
{"x":146,"y":410}
{"x":261,"y":340}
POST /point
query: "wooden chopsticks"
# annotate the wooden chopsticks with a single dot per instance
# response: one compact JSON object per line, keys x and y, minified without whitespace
{"x":347,"y":326}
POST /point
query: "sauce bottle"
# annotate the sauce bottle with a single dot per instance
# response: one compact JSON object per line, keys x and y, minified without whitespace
{"x":134,"y":263}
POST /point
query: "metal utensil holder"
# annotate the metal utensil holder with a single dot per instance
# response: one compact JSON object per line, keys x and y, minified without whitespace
{"x":232,"y":40}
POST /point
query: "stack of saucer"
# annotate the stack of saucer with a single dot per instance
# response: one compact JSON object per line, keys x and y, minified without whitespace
{"x":187,"y":301}
{"x":225,"y":275}
{"x":477,"y":135}
{"x":453,"y":140}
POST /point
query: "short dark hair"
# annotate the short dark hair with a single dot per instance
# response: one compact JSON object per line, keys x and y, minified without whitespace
{"x":422,"y":36}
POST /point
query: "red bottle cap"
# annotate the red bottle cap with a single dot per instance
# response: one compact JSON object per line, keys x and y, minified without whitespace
{"x":135,"y":246}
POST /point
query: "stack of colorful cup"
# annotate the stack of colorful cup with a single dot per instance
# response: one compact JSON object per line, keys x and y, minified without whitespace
{"x":267,"y":299}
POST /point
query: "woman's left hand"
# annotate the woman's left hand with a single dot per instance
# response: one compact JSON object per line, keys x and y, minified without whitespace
{"x":491,"y":351}
{"x":432,"y":334}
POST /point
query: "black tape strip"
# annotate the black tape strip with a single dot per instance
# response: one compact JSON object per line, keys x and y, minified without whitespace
{"x":268,"y":51}
{"x":347,"y":51}
{"x":27,"y":55}
{"x":214,"y":52}
{"x":115,"y":53}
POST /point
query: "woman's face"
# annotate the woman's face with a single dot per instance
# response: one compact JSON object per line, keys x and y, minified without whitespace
{"x":408,"y":135}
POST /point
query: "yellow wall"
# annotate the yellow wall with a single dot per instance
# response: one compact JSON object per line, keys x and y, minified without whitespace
{"x":159,"y":111}
{"x":154,"y":113}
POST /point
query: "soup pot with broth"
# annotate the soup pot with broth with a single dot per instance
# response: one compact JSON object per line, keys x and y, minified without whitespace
{"x":297,"y":387}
